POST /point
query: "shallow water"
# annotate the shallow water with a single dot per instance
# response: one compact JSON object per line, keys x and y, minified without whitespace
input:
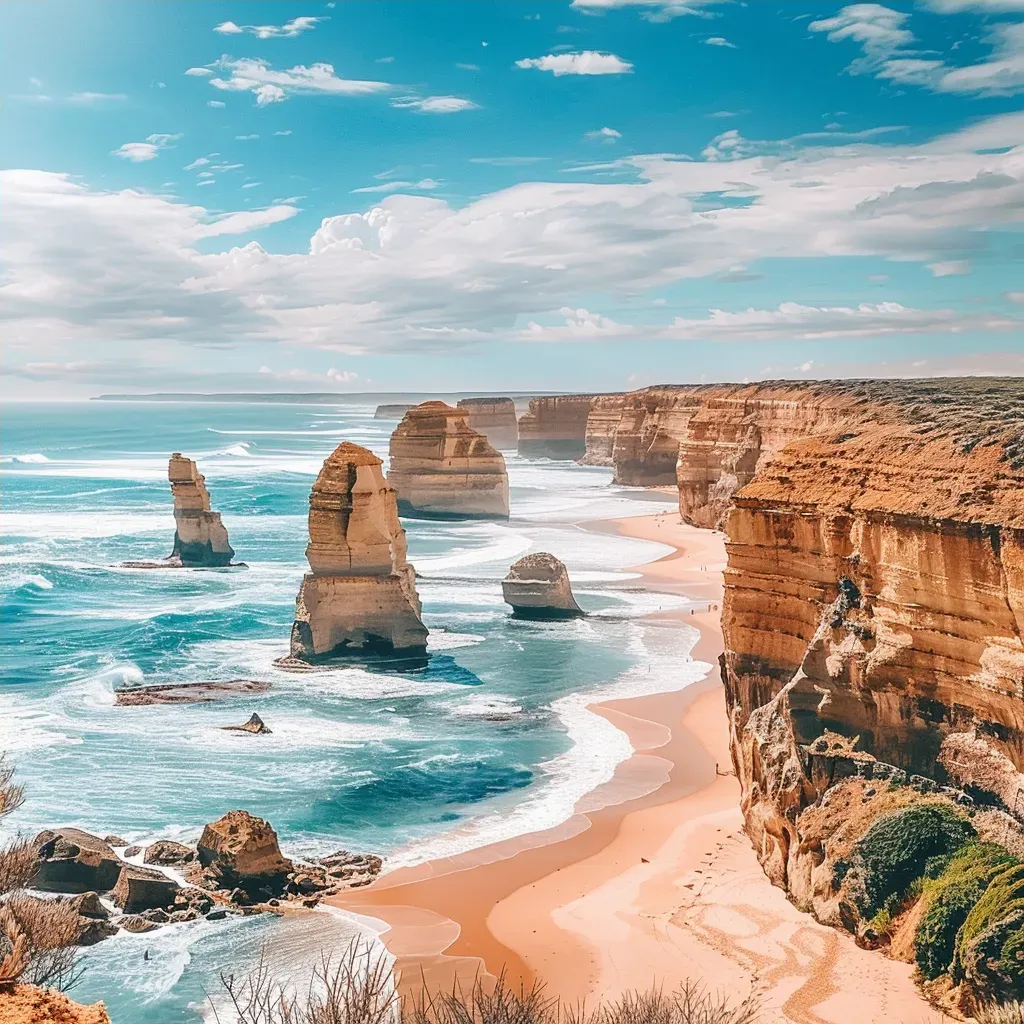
{"x":490,"y":740}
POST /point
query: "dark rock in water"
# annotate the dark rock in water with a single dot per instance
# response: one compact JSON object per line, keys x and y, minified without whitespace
{"x":137,"y":924}
{"x":156,"y":914}
{"x":218,"y":914}
{"x":141,"y":888}
{"x":132,"y":851}
{"x":255,"y":725}
{"x":166,"y":852}
{"x":180,"y":916}
{"x":537,"y":587}
{"x":71,"y":860}
{"x":115,"y":841}
{"x":187,"y":693}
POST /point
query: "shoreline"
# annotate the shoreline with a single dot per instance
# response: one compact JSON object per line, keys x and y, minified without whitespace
{"x":654,"y":888}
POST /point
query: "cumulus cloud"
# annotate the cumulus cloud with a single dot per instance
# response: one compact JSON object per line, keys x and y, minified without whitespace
{"x":139,"y":152}
{"x":606,"y":135}
{"x":413,"y":272}
{"x":586,"y":62}
{"x":653,"y":10}
{"x":289,"y":30}
{"x":719,"y":41}
{"x":250,"y":74}
{"x":887,"y":45}
{"x":434,"y":104}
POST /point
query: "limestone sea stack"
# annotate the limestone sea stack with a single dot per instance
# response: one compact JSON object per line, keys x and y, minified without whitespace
{"x":441,"y":468}
{"x":495,"y":418}
{"x":200,"y":538}
{"x":537,"y":587}
{"x":360,"y":596}
{"x":391,"y":412}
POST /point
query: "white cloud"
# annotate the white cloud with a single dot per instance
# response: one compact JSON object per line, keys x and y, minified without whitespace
{"x":586,"y":62}
{"x":385,"y":60}
{"x":506,"y":161}
{"x":245,"y":138}
{"x":1015,"y":296}
{"x":200,"y":161}
{"x":90,"y":98}
{"x":719,"y":41}
{"x":950,"y":268}
{"x":434,"y":104}
{"x":979,"y":6}
{"x":199,"y":72}
{"x":468,"y":67}
{"x":342,"y":376}
{"x":289,"y":30}
{"x":653,"y":10}
{"x":139,"y":152}
{"x":887,"y":53}
{"x":215,"y":103}
{"x":252,"y":184}
{"x":250,"y":74}
{"x":423,"y":185}
{"x":414,"y":272}
{"x":287,"y":131}
{"x":606,"y":135}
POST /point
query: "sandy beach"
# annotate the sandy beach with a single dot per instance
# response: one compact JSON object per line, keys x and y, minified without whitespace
{"x":653,"y":880}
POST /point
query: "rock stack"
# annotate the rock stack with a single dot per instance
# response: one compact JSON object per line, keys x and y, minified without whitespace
{"x":495,"y":418}
{"x":391,"y":412}
{"x":360,"y":596}
{"x":441,"y":468}
{"x":537,"y":587}
{"x":199,"y":536}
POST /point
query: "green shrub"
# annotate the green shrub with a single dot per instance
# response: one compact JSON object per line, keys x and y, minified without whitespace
{"x":950,"y":898}
{"x":990,"y":946}
{"x":894,"y":851}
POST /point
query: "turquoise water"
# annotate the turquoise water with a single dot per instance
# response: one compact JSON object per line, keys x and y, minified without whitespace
{"x":491,"y":739}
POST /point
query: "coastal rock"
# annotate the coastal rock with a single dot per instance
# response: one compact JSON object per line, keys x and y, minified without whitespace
{"x":28,"y":1004}
{"x":114,"y":841}
{"x":537,"y":587}
{"x":555,"y":427}
{"x":200,"y":538}
{"x":495,"y":418}
{"x":255,"y":725}
{"x":71,"y":860}
{"x":186,"y":693}
{"x":137,"y":925}
{"x":360,"y":597}
{"x":391,"y":412}
{"x":140,"y":888}
{"x":166,"y":853}
{"x":441,"y":468}
{"x":241,"y":851}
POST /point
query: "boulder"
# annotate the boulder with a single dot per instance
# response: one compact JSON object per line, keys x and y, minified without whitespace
{"x":140,"y":888}
{"x":537,"y":587}
{"x":71,"y":860}
{"x":115,"y":841}
{"x":255,"y":725}
{"x":165,"y":852}
{"x":360,"y":597}
{"x":200,"y":538}
{"x":441,"y":468}
{"x":241,"y":851}
{"x":137,"y":925}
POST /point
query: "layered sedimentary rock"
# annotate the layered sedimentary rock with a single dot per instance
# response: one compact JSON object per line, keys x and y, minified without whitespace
{"x":70,"y":860}
{"x":360,"y":596}
{"x":29,"y":1004}
{"x":555,"y":427}
{"x":391,"y":412}
{"x":495,"y":418}
{"x":200,"y":538}
{"x":537,"y":587}
{"x":441,"y":468}
{"x":240,"y":849}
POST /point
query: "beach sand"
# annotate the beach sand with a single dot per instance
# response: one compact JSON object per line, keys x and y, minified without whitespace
{"x":654,"y":885}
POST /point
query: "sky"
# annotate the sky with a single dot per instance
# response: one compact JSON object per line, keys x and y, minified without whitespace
{"x":389,"y":195}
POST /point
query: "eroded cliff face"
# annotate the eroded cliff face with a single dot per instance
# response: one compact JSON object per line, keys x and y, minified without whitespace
{"x":495,"y":418}
{"x":200,"y":538}
{"x":555,"y":427}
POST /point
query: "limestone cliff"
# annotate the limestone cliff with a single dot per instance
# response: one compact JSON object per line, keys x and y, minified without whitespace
{"x":360,"y":596}
{"x":391,"y":412}
{"x":555,"y":427}
{"x":495,"y":418}
{"x":537,"y":587}
{"x":441,"y":468}
{"x":200,"y":538}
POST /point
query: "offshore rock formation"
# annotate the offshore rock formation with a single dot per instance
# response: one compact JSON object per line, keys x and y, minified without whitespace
{"x":360,"y":596}
{"x":391,"y":412}
{"x":537,"y":587}
{"x":200,"y":538}
{"x":495,"y":418}
{"x":555,"y":427}
{"x":241,"y":850}
{"x":443,"y":469}
{"x":186,"y":693}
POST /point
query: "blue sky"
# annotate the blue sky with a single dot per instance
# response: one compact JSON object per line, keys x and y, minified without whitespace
{"x":569,"y":194}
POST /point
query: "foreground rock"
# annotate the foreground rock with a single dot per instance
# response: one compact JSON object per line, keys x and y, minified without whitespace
{"x":495,"y":418}
{"x":255,"y":725}
{"x":443,"y":469}
{"x":71,"y":860}
{"x":187,"y":693}
{"x":537,"y":587}
{"x":240,"y":851}
{"x":28,"y":1004}
{"x":168,"y":854}
{"x":360,"y":597}
{"x":140,"y":888}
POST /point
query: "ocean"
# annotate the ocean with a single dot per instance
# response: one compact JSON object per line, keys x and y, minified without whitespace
{"x":492,"y":739}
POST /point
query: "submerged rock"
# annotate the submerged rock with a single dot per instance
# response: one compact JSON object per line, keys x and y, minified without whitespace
{"x":255,"y":725}
{"x":71,"y":860}
{"x":537,"y":587}
{"x":441,"y":468}
{"x":360,"y":597}
{"x":187,"y":693}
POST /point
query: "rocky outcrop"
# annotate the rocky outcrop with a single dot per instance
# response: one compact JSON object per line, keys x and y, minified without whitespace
{"x":555,"y":427}
{"x":71,"y":860}
{"x":139,"y":888}
{"x":360,"y":597}
{"x":440,"y":468}
{"x":168,"y":854}
{"x":254,"y":725}
{"x":200,"y":538}
{"x":391,"y":412}
{"x":187,"y":693}
{"x":537,"y":587}
{"x":495,"y":418}
{"x":241,"y":850}
{"x":28,"y":1004}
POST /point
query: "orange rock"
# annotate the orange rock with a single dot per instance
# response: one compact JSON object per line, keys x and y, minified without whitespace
{"x":26,"y":1004}
{"x":495,"y":418}
{"x":199,"y":536}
